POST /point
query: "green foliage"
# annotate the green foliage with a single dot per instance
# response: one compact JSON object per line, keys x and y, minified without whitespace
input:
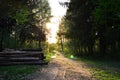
{"x":106,"y":23}
{"x":23,"y":22}
{"x":79,"y":27}
{"x":102,"y":70}
{"x":22,"y":16}
{"x":16,"y":72}
{"x":105,"y":74}
{"x":92,"y":28}
{"x":49,"y":50}
{"x":67,"y":53}
{"x":48,"y":56}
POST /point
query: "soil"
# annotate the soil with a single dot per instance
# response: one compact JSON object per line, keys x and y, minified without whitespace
{"x":61,"y":68}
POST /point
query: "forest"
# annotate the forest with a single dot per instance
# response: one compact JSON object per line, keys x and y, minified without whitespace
{"x":22,"y":23}
{"x":91,"y":28}
{"x":88,"y":40}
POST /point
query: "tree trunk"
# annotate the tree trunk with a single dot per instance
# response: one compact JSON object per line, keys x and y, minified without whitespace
{"x":61,"y":39}
{"x":1,"y":41}
{"x":90,"y":50}
{"x":102,"y":46}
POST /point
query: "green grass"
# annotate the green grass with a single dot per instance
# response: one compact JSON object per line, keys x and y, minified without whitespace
{"x":17,"y":72}
{"x":48,"y":56}
{"x":101,"y":74}
{"x":103,"y":70}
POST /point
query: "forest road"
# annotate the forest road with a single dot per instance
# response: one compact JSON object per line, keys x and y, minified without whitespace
{"x":61,"y":68}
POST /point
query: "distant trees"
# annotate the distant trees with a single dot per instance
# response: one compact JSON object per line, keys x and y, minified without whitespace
{"x":22,"y":22}
{"x":93,"y":28}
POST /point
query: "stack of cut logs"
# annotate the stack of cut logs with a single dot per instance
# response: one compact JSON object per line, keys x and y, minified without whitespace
{"x":22,"y":57}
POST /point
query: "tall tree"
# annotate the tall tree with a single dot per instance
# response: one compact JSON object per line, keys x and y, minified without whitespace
{"x":40,"y":14}
{"x":79,"y":16}
{"x":93,"y":26}
{"x":28,"y":16}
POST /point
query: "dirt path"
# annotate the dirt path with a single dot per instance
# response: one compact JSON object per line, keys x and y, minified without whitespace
{"x":61,"y":68}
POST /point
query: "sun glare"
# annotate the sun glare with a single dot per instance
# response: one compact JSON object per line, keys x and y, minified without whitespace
{"x":52,"y":32}
{"x":57,"y":11}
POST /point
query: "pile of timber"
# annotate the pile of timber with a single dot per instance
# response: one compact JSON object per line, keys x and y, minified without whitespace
{"x":22,"y":57}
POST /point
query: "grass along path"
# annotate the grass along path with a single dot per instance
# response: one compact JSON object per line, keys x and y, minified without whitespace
{"x":103,"y":70}
{"x":18,"y":72}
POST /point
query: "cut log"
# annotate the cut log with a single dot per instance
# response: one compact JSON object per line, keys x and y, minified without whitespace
{"x":24,"y":63}
{"x":22,"y":54}
{"x":22,"y":58}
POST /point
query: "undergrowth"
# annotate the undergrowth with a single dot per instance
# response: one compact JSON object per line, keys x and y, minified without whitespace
{"x":18,"y":72}
{"x":100,"y":69}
